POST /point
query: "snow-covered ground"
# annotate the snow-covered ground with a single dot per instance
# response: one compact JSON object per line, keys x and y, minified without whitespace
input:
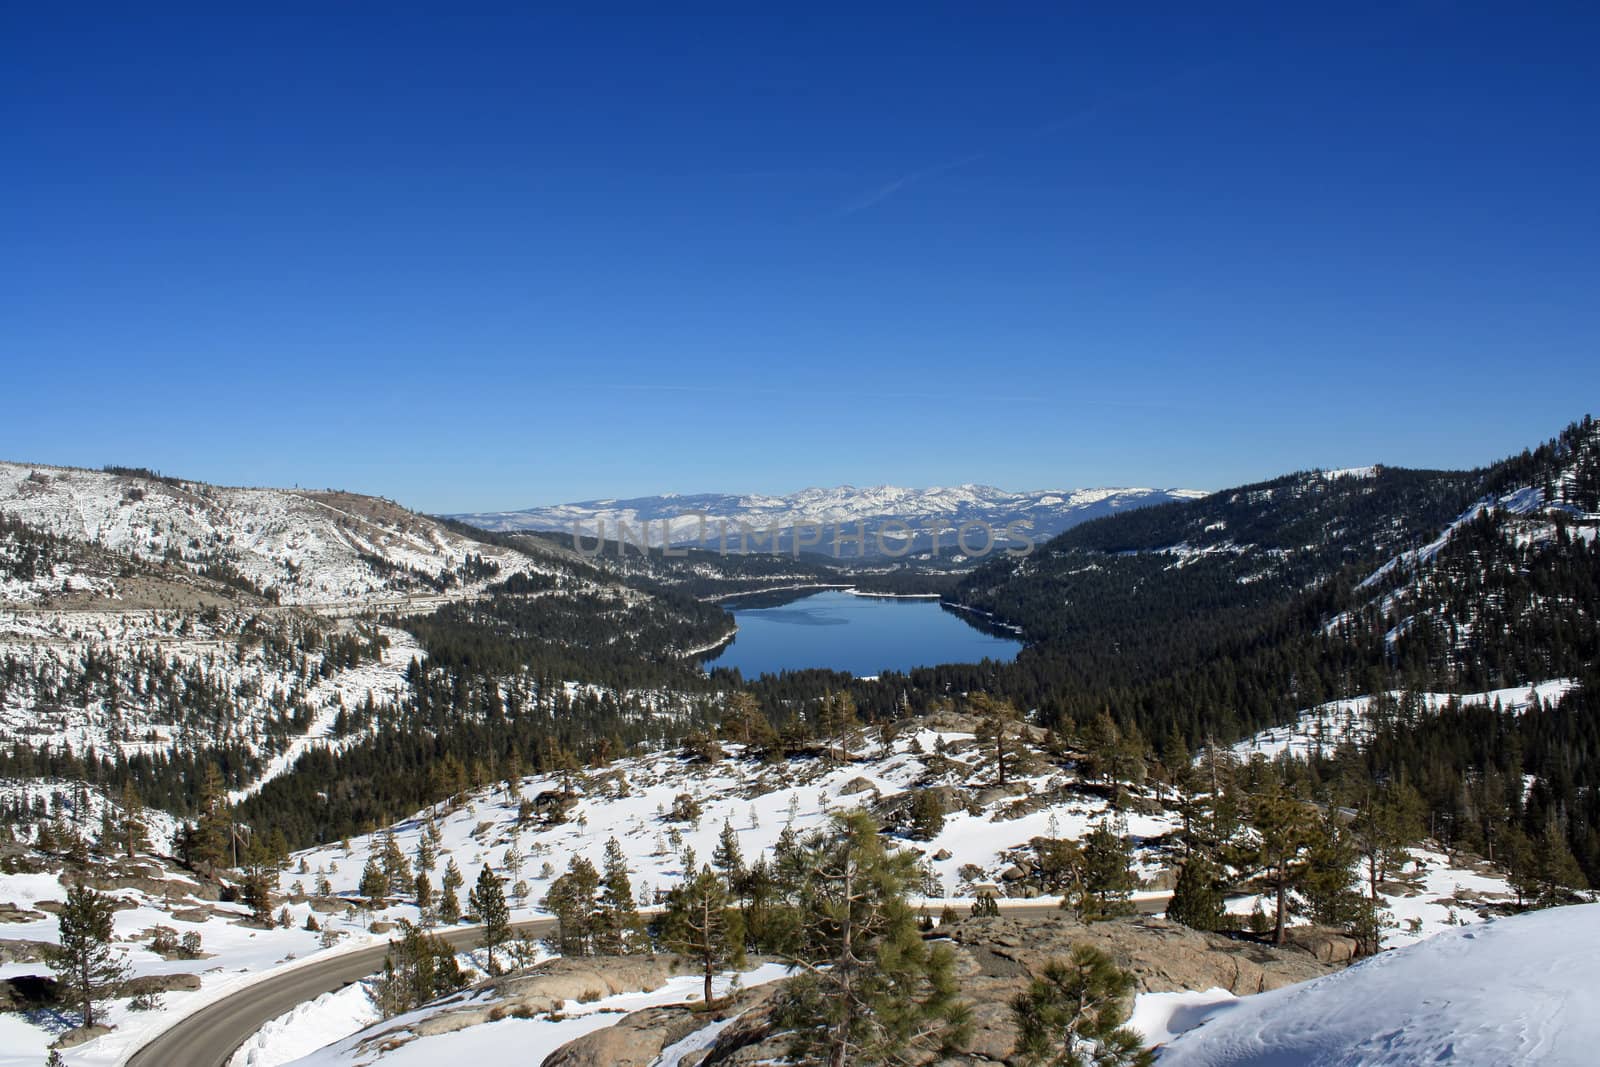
{"x":1327,"y":726}
{"x":632,"y":801}
{"x":1433,"y":894}
{"x":131,"y":681}
{"x":1513,"y":991}
{"x":523,"y":1041}
{"x":233,"y":956}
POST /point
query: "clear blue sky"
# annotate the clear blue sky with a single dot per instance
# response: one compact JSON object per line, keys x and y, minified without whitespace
{"x":477,"y":263}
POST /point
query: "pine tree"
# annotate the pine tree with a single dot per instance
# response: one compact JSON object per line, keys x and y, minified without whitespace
{"x":701,"y":926}
{"x":1108,"y":879}
{"x":1197,"y":899}
{"x":926,"y":815}
{"x":619,"y":929}
{"x":427,"y":853}
{"x":260,"y":878}
{"x":838,"y":722}
{"x":1386,"y":821}
{"x":87,"y":966}
{"x":1284,"y":832}
{"x":396,"y":870}
{"x":214,"y":833}
{"x":373,"y":885}
{"x":134,"y":835}
{"x":423,"y":890}
{"x":488,"y":900}
{"x":871,"y":988}
{"x":1072,"y":1015}
{"x":1559,"y":873}
{"x":419,"y":967}
{"x":998,"y":719}
{"x":571,"y":900}
{"x":449,"y":901}
{"x":727,"y":858}
{"x":1328,"y":881}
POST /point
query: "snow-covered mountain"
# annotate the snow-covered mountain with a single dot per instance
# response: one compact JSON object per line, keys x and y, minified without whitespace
{"x":323,"y":548}
{"x":701,"y":518}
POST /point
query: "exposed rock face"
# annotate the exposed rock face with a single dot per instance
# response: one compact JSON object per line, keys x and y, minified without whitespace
{"x":161,"y":983}
{"x":539,"y":992}
{"x":640,"y":1038}
{"x":995,"y":959}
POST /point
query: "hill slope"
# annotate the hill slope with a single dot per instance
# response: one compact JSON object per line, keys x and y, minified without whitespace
{"x":1513,"y":991}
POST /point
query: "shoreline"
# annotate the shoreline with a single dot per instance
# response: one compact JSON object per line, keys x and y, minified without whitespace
{"x":992,"y":620}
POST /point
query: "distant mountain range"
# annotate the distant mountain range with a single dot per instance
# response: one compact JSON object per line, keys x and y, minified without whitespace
{"x":892,"y":520}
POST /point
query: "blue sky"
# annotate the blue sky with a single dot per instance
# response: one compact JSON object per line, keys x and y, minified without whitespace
{"x":475,"y":263}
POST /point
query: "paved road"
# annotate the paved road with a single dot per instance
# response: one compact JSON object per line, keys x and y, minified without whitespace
{"x":210,"y":1036}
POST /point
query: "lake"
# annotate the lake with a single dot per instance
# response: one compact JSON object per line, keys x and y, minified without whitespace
{"x":865,"y":635}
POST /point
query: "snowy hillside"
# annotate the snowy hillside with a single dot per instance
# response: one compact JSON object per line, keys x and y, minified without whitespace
{"x":1322,"y":729}
{"x":1513,"y":991}
{"x":675,"y":519}
{"x":300,"y":547}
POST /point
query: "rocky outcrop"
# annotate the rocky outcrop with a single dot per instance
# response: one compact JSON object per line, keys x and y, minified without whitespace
{"x":996,"y":958}
{"x":11,"y":913}
{"x":640,"y":1038}
{"x":148,"y":984}
{"x":539,"y":992}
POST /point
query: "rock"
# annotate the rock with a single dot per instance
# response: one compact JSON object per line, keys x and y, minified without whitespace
{"x":180,"y":981}
{"x":1323,"y":944}
{"x":1166,"y":879}
{"x":639,"y":1038}
{"x":22,"y":950}
{"x":942,"y":854}
{"x":546,"y":989}
{"x":996,"y":958}
{"x":73,"y":1038}
{"x":192,"y":915}
{"x":11,"y":913}
{"x":1013,"y":873}
{"x":989,"y":794}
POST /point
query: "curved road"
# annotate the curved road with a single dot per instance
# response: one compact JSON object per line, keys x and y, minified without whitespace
{"x":210,"y":1036}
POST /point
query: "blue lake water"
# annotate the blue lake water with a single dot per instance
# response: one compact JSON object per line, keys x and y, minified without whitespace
{"x":864,"y":635}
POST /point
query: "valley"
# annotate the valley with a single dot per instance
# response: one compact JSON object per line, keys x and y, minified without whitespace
{"x":1331,"y":716}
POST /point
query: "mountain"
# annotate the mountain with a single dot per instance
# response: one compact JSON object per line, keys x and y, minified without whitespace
{"x":172,"y":623}
{"x":704,"y":518}
{"x":317,"y":548}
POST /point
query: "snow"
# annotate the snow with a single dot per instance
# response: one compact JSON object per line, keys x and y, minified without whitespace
{"x":1523,"y":501}
{"x":677,"y":519}
{"x":527,"y":1041}
{"x":308,"y":547}
{"x":309,"y":1027}
{"x":1159,"y":1017}
{"x":218,"y":651}
{"x":233,"y":957}
{"x":1512,"y":991}
{"x":1327,"y":726}
{"x":628,"y":802}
